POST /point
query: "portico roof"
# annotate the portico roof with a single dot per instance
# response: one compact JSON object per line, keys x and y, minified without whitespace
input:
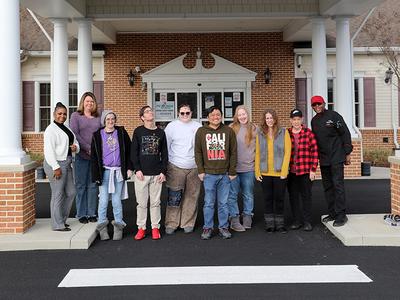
{"x":292,"y":17}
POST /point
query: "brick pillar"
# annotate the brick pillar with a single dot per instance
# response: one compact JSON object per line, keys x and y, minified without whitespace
{"x":17,"y":198}
{"x":395,"y":184}
{"x":354,"y":170}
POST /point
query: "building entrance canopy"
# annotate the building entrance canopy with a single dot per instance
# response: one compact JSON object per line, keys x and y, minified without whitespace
{"x":110,"y":17}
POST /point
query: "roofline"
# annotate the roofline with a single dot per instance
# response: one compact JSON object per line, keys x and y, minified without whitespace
{"x":356,"y":50}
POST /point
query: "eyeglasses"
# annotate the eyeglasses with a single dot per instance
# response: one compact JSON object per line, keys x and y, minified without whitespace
{"x":182,"y":113}
{"x":147,"y":110}
{"x":316,"y":104}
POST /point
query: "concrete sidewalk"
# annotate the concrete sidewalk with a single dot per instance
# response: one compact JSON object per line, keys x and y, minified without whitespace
{"x":41,"y":237}
{"x":366,"y":230}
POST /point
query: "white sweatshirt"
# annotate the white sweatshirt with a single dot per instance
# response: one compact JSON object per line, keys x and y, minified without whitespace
{"x":180,"y":141}
{"x":56,"y":145}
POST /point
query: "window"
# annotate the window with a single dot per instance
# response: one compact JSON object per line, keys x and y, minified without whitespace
{"x":45,"y":109}
{"x":44,"y":106}
{"x":73,"y":98}
{"x":357,"y":102}
{"x":331,"y":98}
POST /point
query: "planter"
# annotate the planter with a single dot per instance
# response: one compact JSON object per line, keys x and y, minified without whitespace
{"x":366,"y":168}
{"x":40,"y":174}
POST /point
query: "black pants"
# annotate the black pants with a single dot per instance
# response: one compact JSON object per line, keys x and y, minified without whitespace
{"x":274,"y":194}
{"x":300,"y":186}
{"x":333,"y":183}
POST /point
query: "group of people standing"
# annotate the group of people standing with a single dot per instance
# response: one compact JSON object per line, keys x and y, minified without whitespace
{"x":225,"y":160}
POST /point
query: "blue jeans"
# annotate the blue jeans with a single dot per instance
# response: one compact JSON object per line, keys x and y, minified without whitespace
{"x":115,"y":198}
{"x":244,"y":182}
{"x":216,"y":187}
{"x":87,"y":192}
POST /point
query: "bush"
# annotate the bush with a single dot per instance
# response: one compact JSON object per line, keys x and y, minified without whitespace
{"x":38,"y":157}
{"x":378,"y":157}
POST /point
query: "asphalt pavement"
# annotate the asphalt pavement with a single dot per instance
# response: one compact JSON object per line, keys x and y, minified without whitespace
{"x":36,"y":274}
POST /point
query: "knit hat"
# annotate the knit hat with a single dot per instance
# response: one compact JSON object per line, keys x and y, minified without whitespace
{"x":296,"y":113}
{"x":317,"y":99}
{"x":104,"y":115}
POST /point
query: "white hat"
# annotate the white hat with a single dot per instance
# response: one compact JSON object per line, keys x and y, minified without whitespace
{"x":104,"y":115}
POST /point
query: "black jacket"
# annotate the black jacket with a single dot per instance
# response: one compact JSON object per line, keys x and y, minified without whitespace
{"x":96,"y":155}
{"x":333,"y":137}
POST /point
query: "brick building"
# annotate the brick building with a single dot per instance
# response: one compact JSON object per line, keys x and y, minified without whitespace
{"x":220,"y":52}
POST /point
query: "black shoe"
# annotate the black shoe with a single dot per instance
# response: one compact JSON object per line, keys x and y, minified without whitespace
{"x":295,"y":226}
{"x":328,"y":218}
{"x":66,"y":225}
{"x":307,"y":227}
{"x":83,"y":220}
{"x":340,"y":221}
{"x":63,"y":229}
{"x":281,"y":229}
{"x":92,"y":219}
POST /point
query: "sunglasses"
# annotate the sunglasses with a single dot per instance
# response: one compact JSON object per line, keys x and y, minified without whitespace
{"x":316,"y":104}
{"x":182,"y":113}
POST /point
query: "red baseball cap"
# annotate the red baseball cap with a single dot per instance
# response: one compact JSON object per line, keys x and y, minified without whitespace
{"x":317,"y":99}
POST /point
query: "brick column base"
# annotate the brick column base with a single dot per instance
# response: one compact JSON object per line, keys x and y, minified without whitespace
{"x":17,"y":198}
{"x":353,"y":170}
{"x":395,"y":184}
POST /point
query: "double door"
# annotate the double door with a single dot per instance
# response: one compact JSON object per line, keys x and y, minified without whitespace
{"x":166,"y":102}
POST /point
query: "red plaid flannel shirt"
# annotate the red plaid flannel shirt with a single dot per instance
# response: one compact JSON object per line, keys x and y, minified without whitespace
{"x":307,"y":152}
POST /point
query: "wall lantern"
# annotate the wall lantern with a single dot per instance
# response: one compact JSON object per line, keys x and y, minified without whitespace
{"x":267,"y":75}
{"x":388,"y":75}
{"x":131,"y":75}
{"x":131,"y":78}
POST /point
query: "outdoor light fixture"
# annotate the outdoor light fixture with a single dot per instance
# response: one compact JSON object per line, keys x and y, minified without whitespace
{"x":267,"y":75}
{"x":131,"y":75}
{"x":131,"y":78}
{"x":388,"y":75}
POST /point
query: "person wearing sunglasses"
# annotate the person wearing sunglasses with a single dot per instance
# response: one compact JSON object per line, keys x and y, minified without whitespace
{"x":334,"y":149}
{"x":182,"y":177}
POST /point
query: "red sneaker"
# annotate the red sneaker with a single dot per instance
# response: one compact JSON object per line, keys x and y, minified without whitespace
{"x":140,"y":234}
{"x":155,"y":234}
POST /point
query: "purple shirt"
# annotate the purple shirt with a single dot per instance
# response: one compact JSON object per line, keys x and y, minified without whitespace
{"x":110,"y":147}
{"x":83,"y":127}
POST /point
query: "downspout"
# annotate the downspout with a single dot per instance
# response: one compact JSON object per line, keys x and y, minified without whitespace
{"x":352,"y":73}
{"x":392,"y":96}
{"x":51,"y":52}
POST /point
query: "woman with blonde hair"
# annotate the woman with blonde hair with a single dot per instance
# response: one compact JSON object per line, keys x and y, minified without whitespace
{"x":84,"y":122}
{"x":246,"y":144}
{"x":273,"y":149}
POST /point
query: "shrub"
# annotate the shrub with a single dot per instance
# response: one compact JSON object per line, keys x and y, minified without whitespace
{"x":378,"y":157}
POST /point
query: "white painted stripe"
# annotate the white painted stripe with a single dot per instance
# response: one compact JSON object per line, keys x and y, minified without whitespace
{"x":213,"y":275}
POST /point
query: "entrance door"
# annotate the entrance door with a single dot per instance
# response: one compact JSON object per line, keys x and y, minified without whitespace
{"x":166,"y":103}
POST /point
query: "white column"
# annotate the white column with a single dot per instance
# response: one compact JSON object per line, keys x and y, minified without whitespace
{"x":344,"y":98}
{"x":60,"y":76}
{"x":319,"y":60}
{"x":11,"y":152}
{"x":85,"y":68}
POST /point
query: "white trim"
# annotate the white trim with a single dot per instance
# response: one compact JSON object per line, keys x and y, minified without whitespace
{"x":356,"y":50}
{"x":71,"y":53}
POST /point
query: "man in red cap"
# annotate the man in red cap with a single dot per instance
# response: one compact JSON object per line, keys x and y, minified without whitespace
{"x":334,"y":148}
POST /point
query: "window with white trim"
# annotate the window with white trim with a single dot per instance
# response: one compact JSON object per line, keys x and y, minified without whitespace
{"x":73,"y":98}
{"x":44,"y":106}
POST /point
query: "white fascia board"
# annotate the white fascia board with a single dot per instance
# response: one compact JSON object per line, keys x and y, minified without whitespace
{"x":95,"y":53}
{"x":356,"y":50}
{"x":199,"y":77}
{"x":346,"y":7}
{"x":291,"y":31}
